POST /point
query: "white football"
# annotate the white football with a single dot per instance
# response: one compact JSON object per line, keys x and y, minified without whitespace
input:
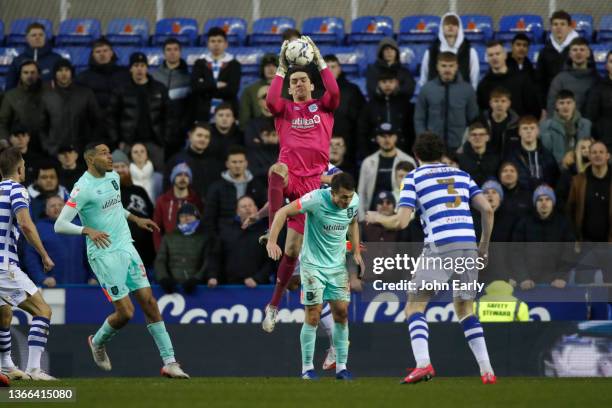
{"x":299,"y":52}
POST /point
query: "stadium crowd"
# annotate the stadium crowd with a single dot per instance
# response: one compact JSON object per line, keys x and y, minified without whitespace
{"x":193,"y":150}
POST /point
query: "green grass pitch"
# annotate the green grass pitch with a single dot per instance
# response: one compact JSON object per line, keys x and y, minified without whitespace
{"x":362,"y":392}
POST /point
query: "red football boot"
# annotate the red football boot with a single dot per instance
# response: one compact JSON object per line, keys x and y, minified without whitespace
{"x":488,"y":378}
{"x":419,"y":374}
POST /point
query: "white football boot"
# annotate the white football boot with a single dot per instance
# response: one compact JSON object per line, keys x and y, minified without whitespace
{"x":174,"y":370}
{"x":37,"y":374}
{"x":99,"y":355}
{"x":270,"y":320}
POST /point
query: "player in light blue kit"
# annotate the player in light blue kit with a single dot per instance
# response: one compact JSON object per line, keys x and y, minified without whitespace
{"x":96,"y":199}
{"x":442,"y":195}
{"x":330,"y":214}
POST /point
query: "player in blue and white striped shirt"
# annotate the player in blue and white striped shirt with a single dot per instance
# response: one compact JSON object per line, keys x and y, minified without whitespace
{"x":16,"y":288}
{"x":442,"y":196}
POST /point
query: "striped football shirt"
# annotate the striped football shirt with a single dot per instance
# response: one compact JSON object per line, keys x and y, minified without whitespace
{"x":13,"y":197}
{"x":441,"y":196}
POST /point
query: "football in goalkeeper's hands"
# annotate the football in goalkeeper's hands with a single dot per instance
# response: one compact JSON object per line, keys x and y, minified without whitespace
{"x":299,"y":52}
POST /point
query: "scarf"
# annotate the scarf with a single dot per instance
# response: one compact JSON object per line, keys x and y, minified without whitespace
{"x":189,"y":228}
{"x":143,"y":177}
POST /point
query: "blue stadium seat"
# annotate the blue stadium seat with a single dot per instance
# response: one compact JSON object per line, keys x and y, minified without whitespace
{"x":185,"y":30}
{"x":360,"y":81}
{"x":128,"y":31}
{"x":18,"y":28}
{"x":63,"y":52}
{"x":411,"y":57}
{"x":249,"y":58}
{"x":605,"y":29}
{"x":78,"y":31}
{"x":370,"y":29}
{"x":1,"y":32}
{"x":79,"y":56}
{"x":155,"y":55}
{"x":599,"y":55}
{"x":324,"y":30}
{"x":269,"y":30}
{"x":123,"y":54}
{"x":583,"y":24}
{"x":192,"y":54}
{"x":534,"y":52}
{"x":235,"y":28}
{"x":477,"y":28}
{"x":6,"y":58}
{"x":481,"y":50}
{"x":530,"y":24}
{"x":2,"y":83}
{"x":352,"y":59}
{"x":418,"y":29}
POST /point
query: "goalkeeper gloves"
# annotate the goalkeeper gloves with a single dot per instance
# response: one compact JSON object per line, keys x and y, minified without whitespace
{"x":283,"y":65}
{"x":317,"y":59}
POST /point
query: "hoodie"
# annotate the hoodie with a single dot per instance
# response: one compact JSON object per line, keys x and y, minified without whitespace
{"x":469,"y":66}
{"x":579,"y":81}
{"x":534,"y":167}
{"x":406,"y":82}
{"x":166,"y":208}
{"x":45,"y":59}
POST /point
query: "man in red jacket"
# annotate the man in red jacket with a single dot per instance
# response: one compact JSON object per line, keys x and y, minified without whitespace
{"x":168,"y":204}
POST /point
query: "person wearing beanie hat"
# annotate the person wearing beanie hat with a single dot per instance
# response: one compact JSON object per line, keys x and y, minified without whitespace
{"x":104,"y":74}
{"x":71,"y":115}
{"x":388,"y":56}
{"x":493,"y":185}
{"x":250,"y":107}
{"x":174,"y":74}
{"x":385,"y":205}
{"x":181,"y":168}
{"x":544,"y":190}
{"x":71,"y":168}
{"x":120,"y":157}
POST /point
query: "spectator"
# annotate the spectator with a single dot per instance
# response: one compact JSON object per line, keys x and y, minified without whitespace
{"x":46,"y":185}
{"x":543,"y":264}
{"x":136,"y":200}
{"x":588,"y":205}
{"x":499,"y":305}
{"x":250,"y":106}
{"x":346,"y":116}
{"x":377,"y":171}
{"x":476,"y":159}
{"x":138,"y":111}
{"x":338,"y":156}
{"x":516,"y":200}
{"x":579,"y":75}
{"x":23,"y":105}
{"x":255,"y":125}
{"x":565,"y":126}
{"x":451,"y":39}
{"x":518,"y":60}
{"x":388,"y":57}
{"x":225,"y":132}
{"x":181,"y":258}
{"x":20,"y":138}
{"x":71,"y":115}
{"x":522,"y":90}
{"x":238,"y":258}
{"x":71,"y":169}
{"x":68,"y":252}
{"x":575,"y":161}
{"x":216,"y":77}
{"x":386,"y":106}
{"x":168,"y":204}
{"x":451,"y":159}
{"x":265,"y":154}
{"x":143,"y":173}
{"x":535,"y":163}
{"x":599,"y":105}
{"x":555,"y":52}
{"x":446,"y":105}
{"x":401,"y":170}
{"x":501,"y":121}
{"x":104,"y":75}
{"x":385,"y":205}
{"x":235,"y":182}
{"x":206,"y":167}
{"x":173,"y":73}
{"x":37,"y":50}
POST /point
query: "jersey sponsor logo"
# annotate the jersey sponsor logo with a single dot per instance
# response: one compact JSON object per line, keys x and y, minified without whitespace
{"x":334,"y":227}
{"x":313,"y":108}
{"x":112,"y":202}
{"x":304,"y":123}
{"x":115,"y":185}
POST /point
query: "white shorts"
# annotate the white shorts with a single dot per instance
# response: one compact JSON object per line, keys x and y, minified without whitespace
{"x":15,"y":286}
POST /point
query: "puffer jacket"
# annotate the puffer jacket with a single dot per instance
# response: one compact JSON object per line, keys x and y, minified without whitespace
{"x":182,"y":257}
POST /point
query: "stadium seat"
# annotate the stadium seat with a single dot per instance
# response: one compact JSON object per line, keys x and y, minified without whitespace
{"x":78,"y":31}
{"x":583,"y":24}
{"x":192,"y":54}
{"x":530,"y":24}
{"x":1,"y":32}
{"x":370,"y":29}
{"x":605,"y":29}
{"x":79,"y":56}
{"x":324,"y":30}
{"x":481,"y":50}
{"x":249,"y":58}
{"x":185,"y":30}
{"x":235,"y":28}
{"x":18,"y":28}
{"x":599,"y":55}
{"x":360,"y":81}
{"x":64,"y":53}
{"x":2,"y":83}
{"x":418,"y":29}
{"x":477,"y":28}
{"x":6,"y":58}
{"x":123,"y":54}
{"x":534,"y":52}
{"x":352,"y":59}
{"x":411,"y":56}
{"x":155,"y":55}
{"x":269,"y":30}
{"x":128,"y":31}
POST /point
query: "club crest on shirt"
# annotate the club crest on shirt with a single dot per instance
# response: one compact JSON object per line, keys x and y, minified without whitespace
{"x":350,"y":213}
{"x":115,"y":185}
{"x":313,"y":108}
